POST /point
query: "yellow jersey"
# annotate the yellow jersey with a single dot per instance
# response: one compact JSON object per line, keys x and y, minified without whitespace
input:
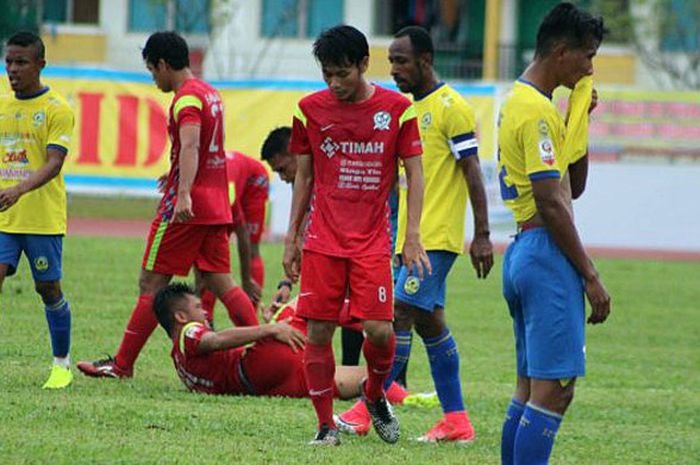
{"x":28,"y":127}
{"x":531,"y":134}
{"x":447,"y":125}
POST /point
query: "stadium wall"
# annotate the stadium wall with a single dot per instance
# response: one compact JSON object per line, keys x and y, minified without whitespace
{"x":645,"y":146}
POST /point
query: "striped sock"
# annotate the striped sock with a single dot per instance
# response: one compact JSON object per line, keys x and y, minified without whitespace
{"x":535,"y":437}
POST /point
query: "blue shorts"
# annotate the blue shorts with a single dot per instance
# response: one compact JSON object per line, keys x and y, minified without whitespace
{"x":429,"y":293}
{"x":545,"y":298}
{"x":43,"y":252}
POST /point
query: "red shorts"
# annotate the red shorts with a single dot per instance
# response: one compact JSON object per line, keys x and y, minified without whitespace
{"x":274,"y":370}
{"x":172,"y":248}
{"x":326,"y":281}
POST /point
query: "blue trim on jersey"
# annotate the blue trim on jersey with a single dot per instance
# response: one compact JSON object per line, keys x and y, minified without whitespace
{"x":544,"y":175}
{"x":462,"y":138}
{"x":94,"y":74}
{"x":60,"y":148}
{"x":440,"y":84}
{"x":525,"y":81}
{"x":468,"y":152}
{"x":31,"y":96}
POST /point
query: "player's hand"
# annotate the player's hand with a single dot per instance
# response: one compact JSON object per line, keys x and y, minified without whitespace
{"x":594,"y":101}
{"x":252,"y":288}
{"x":9,"y":197}
{"x":291,"y":260}
{"x":599,"y":299}
{"x":294,"y":338}
{"x":481,"y":253}
{"x":414,"y":257}
{"x":183,"y":208}
{"x":161,"y":182}
{"x":280,"y":298}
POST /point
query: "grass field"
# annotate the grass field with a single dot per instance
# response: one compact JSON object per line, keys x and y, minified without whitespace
{"x":639,"y":404}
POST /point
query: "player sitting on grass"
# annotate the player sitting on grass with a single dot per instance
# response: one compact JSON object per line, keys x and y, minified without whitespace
{"x":215,"y":362}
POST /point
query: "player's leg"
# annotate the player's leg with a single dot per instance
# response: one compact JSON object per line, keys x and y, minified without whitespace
{"x":214,"y":262}
{"x":324,"y":283}
{"x":254,"y":205}
{"x":44,"y":253}
{"x":206,"y":296}
{"x":10,"y":251}
{"x":404,"y":321}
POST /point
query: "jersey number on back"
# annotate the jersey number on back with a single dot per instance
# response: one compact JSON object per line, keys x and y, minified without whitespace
{"x":215,"y":109}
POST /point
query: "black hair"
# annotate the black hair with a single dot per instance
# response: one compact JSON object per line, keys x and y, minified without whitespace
{"x":169,"y":47}
{"x":341,"y":45}
{"x":165,"y":301}
{"x":420,"y":39}
{"x":276,"y":142}
{"x":570,"y":23}
{"x":27,"y":39}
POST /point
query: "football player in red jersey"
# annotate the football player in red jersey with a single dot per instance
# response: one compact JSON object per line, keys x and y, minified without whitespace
{"x":216,"y":363}
{"x":192,"y":222}
{"x":348,"y":139}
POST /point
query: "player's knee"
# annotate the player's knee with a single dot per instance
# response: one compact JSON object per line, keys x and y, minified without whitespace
{"x":320,"y":332}
{"x":50,"y":291}
{"x":566,"y":396}
{"x":430,"y":324}
{"x":403,"y":317}
{"x":378,"y":332}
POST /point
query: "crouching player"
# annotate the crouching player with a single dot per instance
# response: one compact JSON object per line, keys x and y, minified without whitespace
{"x":215,"y":362}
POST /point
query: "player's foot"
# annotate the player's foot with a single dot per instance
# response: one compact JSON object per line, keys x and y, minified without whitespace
{"x":385,"y":422}
{"x":445,"y":431}
{"x":422,"y":399}
{"x":59,"y":378}
{"x":326,"y":436}
{"x":355,"y":420}
{"x":105,"y":368}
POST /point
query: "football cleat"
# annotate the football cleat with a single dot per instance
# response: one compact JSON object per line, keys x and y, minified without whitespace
{"x":105,"y":368}
{"x":385,"y":422}
{"x":59,"y":378}
{"x":326,"y":436}
{"x":445,"y":431}
{"x":356,"y":420}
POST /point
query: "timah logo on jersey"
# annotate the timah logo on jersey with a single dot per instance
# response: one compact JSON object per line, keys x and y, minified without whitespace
{"x":547,"y":152}
{"x":382,"y":120}
{"x":331,"y":147}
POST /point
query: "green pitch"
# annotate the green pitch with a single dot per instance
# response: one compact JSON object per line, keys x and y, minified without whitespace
{"x":639,"y":404}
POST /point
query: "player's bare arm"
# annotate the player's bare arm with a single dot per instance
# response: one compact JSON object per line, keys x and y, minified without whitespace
{"x":303,"y":183}
{"x":578,"y":175}
{"x":554,"y":214}
{"x":481,"y":249}
{"x":10,"y":196}
{"x":189,"y":160}
{"x":413,"y":254}
{"x":244,"y":255}
{"x":236,"y":337}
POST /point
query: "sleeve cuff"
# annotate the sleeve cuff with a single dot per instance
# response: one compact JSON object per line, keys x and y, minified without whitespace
{"x":544,"y":175}
{"x":60,"y":148}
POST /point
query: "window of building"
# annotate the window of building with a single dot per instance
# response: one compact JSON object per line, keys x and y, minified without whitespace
{"x":680,"y":26}
{"x":72,"y":11}
{"x":187,"y":16}
{"x":299,"y":18}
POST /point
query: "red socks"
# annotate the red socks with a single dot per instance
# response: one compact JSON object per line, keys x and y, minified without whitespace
{"x":379,"y":361}
{"x":257,"y":270}
{"x":240,"y":309}
{"x":208,"y":302}
{"x":319,"y":368}
{"x":138,"y":330}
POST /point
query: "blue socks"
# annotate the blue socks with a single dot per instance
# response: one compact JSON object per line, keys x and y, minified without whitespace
{"x":444,"y":366}
{"x":59,"y":320}
{"x":510,"y":428}
{"x":401,"y":355}
{"x":535,"y":436}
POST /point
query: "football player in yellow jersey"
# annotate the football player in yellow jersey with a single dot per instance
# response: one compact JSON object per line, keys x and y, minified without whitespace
{"x":35,"y":128}
{"x":452,"y":173}
{"x":546,"y":270}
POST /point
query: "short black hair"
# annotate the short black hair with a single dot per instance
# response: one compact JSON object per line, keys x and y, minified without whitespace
{"x":165,"y":301}
{"x":420,"y":39}
{"x":341,"y":45}
{"x":276,"y":142}
{"x":168,"y":46}
{"x":28,"y":39}
{"x":568,"y":22}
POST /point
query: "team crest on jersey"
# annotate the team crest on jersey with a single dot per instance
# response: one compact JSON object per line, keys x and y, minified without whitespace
{"x":547,"y":152}
{"x":192,"y":331}
{"x":41,"y":263}
{"x":329,"y":147}
{"x":412,"y":285}
{"x":425,"y":120}
{"x":38,"y":118}
{"x":382,"y":120}
{"x":543,"y":128}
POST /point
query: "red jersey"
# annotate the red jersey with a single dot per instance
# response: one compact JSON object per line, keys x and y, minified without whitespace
{"x":251,"y":184}
{"x":355,"y":149}
{"x":216,"y":372}
{"x":198,"y":103}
